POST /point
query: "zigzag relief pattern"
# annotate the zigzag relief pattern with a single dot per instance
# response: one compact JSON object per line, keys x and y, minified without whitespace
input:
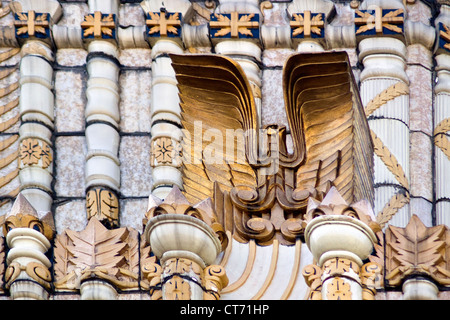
{"x":399,"y":200}
{"x":9,"y":121}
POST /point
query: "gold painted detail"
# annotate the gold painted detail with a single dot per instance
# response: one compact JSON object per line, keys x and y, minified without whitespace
{"x":313,"y":278}
{"x":234,"y":25}
{"x":339,"y":289}
{"x":339,"y":273}
{"x":307,"y":24}
{"x":214,"y":280}
{"x":35,"y":152}
{"x":98,"y":25}
{"x":396,"y":90}
{"x":23,"y":215}
{"x":36,"y":271}
{"x":371,"y":279}
{"x":378,"y":19}
{"x":163,"y":23}
{"x":31,"y":23}
{"x":103,"y":204}
{"x":259,"y":190}
{"x":441,"y":138}
{"x":444,"y":36}
{"x":164,"y":151}
{"x":96,"y":252}
{"x":10,"y":117}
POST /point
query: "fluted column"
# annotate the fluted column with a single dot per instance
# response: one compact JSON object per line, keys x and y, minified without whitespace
{"x":442,"y":117}
{"x":384,"y":92}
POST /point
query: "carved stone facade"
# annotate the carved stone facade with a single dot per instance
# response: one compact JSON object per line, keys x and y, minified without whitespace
{"x":206,"y":150}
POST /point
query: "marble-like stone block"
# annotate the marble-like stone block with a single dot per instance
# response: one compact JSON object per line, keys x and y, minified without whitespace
{"x":420,"y":99}
{"x":134,"y":155}
{"x":135,"y":109}
{"x":273,"y":109}
{"x":132,"y":211}
{"x":70,"y":166}
{"x":71,"y":215}
{"x":69,"y":57}
{"x":421,"y":172}
{"x":70,"y":100}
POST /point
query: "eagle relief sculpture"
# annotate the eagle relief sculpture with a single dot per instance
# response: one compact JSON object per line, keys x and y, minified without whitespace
{"x":259,"y":189}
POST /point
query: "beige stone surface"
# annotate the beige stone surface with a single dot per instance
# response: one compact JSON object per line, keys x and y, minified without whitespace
{"x":70,"y":100}
{"x":135,"y":57}
{"x":73,"y":14}
{"x":131,"y":14}
{"x":71,"y":57}
{"x":273,"y":110}
{"x":420,"y":99}
{"x":135,"y":101}
{"x":134,"y":155}
{"x":70,"y":214}
{"x":132,"y":211}
{"x":70,"y":163}
{"x":421,"y":176}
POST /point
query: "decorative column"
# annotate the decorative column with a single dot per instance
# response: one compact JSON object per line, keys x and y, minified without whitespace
{"x":385,"y":94}
{"x":102,"y":112}
{"x":33,"y":31}
{"x":163,"y":30}
{"x":234,"y":32}
{"x":187,"y":240}
{"x":442,"y":116}
{"x":340,"y":237}
{"x":28,"y":236}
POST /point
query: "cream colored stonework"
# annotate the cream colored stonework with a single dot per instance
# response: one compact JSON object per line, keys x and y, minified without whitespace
{"x":102,"y":104}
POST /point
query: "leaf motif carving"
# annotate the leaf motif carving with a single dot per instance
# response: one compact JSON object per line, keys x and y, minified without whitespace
{"x":415,"y":248}
{"x":97,"y":246}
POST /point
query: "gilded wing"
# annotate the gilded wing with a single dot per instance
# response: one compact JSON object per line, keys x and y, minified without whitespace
{"x":329,"y":129}
{"x":217,"y":109}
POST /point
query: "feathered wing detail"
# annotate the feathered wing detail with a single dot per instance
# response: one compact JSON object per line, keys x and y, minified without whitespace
{"x":217,"y":108}
{"x":329,"y":129}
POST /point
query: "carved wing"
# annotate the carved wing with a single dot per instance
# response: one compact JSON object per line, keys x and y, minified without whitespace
{"x":329,"y":129}
{"x":217,"y":109}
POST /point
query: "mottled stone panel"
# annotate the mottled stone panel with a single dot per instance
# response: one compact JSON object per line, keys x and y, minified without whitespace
{"x":420,"y":99}
{"x":135,"y":170}
{"x":273,"y":110}
{"x":421,"y":172}
{"x":135,"y":114}
{"x":70,"y":166}
{"x":70,"y":101}
{"x":132,"y":211}
{"x":70,"y":214}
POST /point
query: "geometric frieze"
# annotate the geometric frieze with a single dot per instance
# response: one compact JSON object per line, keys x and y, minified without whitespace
{"x":32,"y":24}
{"x":307,"y":25}
{"x":163,"y":24}
{"x":444,"y":38}
{"x":99,"y":26}
{"x":234,"y":25}
{"x":379,"y":22}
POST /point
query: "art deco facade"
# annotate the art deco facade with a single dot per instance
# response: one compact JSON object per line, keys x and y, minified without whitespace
{"x":284,"y":149}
